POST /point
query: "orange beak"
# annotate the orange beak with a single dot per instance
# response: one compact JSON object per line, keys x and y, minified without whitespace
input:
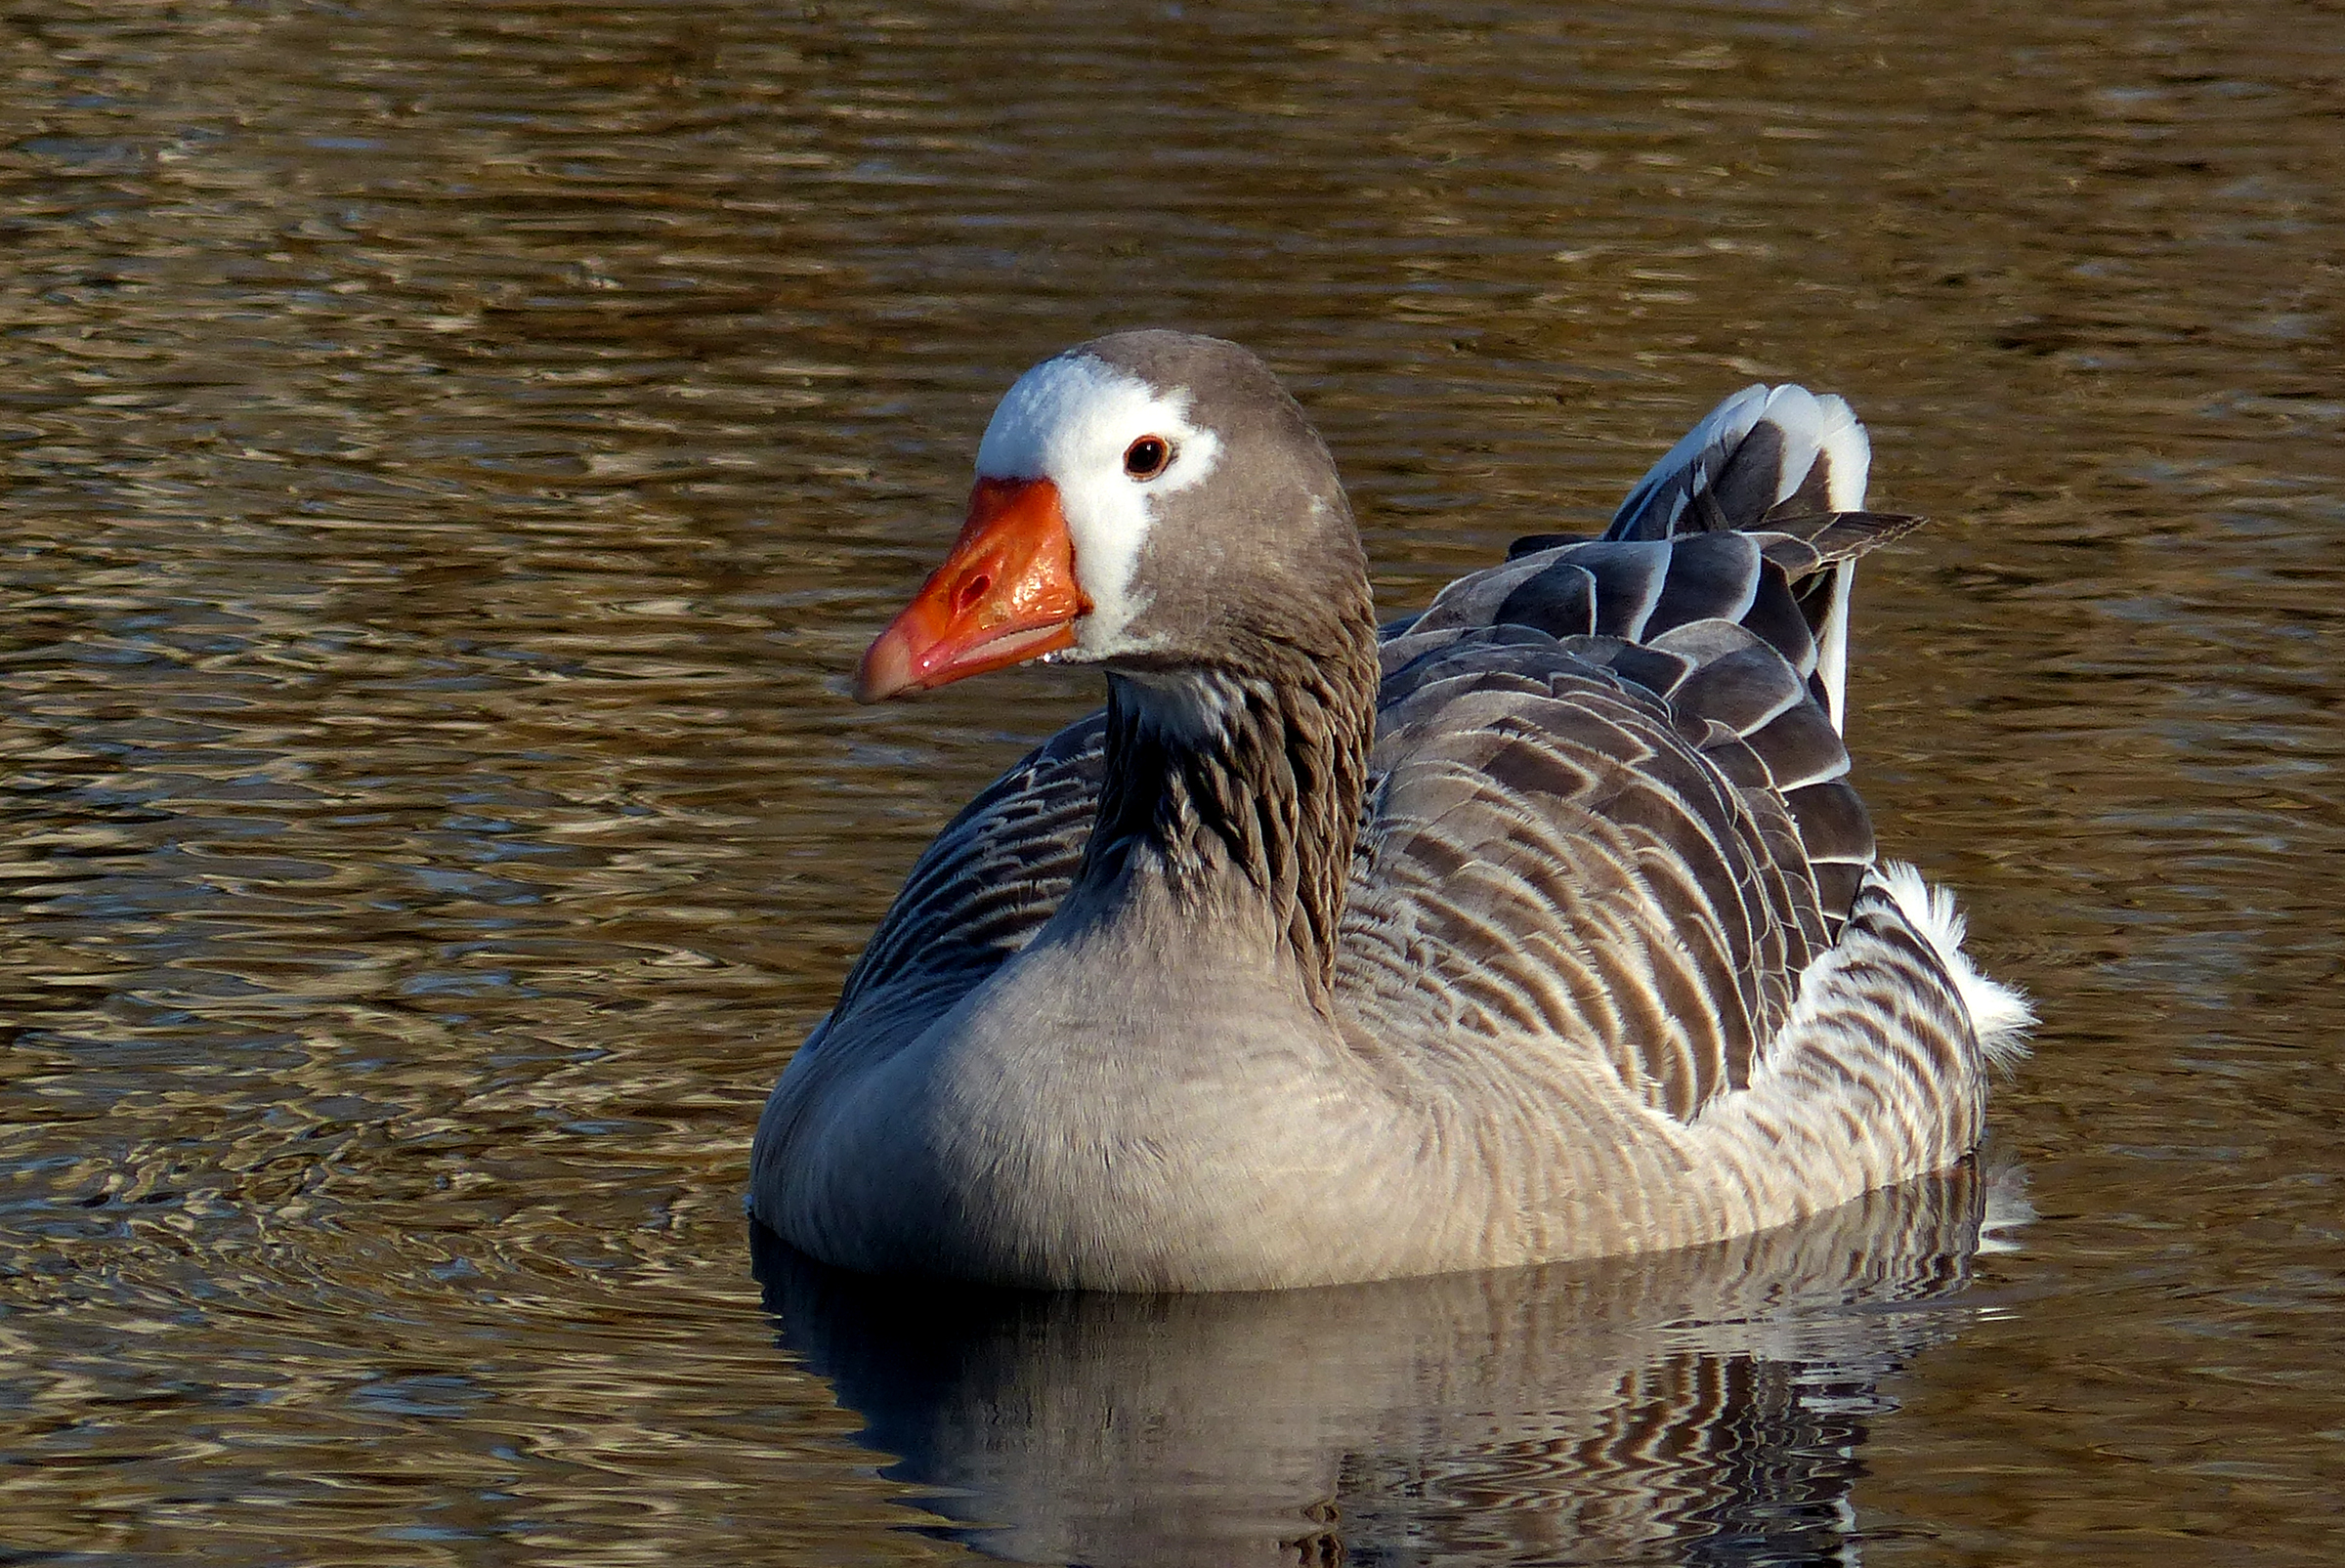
{"x":1005,"y":594}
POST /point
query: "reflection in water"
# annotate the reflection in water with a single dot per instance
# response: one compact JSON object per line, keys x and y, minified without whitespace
{"x":1703,"y":1405}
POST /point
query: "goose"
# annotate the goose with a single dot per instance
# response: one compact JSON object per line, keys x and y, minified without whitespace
{"x":1541,"y":925}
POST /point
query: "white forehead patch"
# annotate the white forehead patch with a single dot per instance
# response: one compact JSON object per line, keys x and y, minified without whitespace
{"x":1069,"y":420}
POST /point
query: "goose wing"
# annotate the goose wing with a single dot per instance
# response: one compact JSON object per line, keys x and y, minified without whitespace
{"x":1609,"y":802}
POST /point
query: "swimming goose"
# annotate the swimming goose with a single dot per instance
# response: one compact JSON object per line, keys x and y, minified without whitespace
{"x":1544,"y":924}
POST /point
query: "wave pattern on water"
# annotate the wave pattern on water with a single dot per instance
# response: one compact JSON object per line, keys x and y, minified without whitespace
{"x":454,"y":454}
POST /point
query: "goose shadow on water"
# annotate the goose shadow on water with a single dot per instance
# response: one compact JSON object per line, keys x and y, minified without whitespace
{"x":1703,"y":1405}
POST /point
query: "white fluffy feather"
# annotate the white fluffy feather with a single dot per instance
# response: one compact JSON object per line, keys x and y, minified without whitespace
{"x":1999,"y":1014}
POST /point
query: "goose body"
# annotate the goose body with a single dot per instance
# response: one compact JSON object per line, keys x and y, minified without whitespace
{"x":1541,"y":925}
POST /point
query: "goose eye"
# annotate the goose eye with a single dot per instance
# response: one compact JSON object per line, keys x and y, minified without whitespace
{"x":1147,"y":457}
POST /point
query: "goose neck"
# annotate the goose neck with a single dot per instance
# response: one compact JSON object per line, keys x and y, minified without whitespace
{"x":1242,"y":793}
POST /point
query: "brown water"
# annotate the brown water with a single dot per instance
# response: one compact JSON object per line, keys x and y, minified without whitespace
{"x":455,"y":453}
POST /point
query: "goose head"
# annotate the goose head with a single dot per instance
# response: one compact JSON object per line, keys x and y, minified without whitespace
{"x":1153,"y":502}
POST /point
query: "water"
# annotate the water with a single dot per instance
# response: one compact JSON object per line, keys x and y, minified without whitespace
{"x":455,"y":453}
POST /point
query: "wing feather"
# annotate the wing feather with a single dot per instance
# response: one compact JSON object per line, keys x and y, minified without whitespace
{"x":988,"y":880}
{"x":1578,"y":809}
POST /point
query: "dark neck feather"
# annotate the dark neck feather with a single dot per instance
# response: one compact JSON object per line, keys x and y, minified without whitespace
{"x":1264,"y":803}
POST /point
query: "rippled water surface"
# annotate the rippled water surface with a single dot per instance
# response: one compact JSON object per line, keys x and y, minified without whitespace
{"x":454,"y":453}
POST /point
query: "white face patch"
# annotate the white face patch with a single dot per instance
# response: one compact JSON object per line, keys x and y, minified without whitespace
{"x":1069,"y":420}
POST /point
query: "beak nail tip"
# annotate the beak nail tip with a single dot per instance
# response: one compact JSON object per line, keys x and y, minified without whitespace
{"x":885,"y":671}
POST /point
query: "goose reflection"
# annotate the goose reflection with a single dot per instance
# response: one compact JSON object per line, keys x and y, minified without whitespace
{"x":1704,"y":1406}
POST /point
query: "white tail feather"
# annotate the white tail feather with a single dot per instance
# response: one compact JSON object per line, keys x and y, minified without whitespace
{"x":1839,"y":434}
{"x":1832,"y":646}
{"x":2000,"y":1016}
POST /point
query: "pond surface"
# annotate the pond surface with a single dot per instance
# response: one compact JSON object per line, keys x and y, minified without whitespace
{"x":454,"y":454}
